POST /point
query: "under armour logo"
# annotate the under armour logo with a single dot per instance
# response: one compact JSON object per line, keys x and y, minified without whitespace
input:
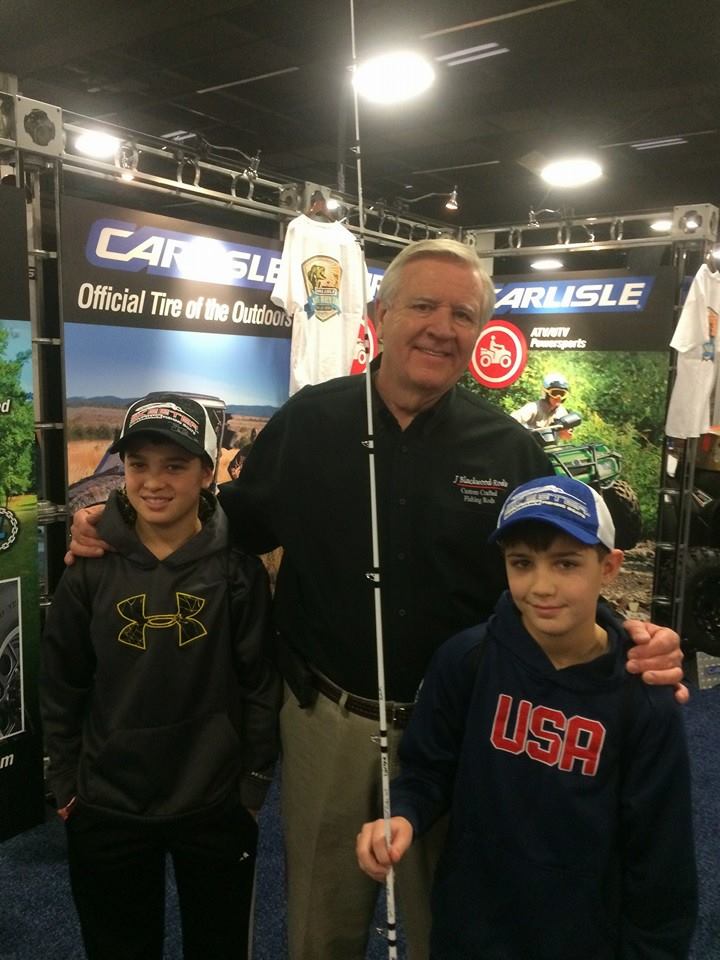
{"x":188,"y":628}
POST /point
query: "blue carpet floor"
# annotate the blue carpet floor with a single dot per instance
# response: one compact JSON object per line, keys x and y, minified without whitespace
{"x":37,"y":921}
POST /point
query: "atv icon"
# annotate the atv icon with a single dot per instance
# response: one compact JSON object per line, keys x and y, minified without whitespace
{"x":495,"y":353}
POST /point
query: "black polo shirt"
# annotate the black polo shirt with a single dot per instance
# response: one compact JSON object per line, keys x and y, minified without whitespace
{"x":440,"y":485}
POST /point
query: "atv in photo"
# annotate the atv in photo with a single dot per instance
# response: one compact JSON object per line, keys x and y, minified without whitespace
{"x":599,"y":467}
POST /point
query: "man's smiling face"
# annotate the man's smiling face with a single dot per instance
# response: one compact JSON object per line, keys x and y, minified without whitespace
{"x":431,"y":326}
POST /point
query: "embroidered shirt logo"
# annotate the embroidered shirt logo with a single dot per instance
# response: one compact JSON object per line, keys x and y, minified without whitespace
{"x":322,"y":276}
{"x":480,"y":489}
{"x":183,"y":618}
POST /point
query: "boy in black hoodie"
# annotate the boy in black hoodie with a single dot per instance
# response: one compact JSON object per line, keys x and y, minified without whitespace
{"x":566,"y":778}
{"x":159,"y":702}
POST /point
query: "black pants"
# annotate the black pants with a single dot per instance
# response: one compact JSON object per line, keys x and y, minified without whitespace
{"x":117,"y":875}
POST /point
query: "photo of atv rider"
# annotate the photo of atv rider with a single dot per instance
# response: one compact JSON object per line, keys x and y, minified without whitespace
{"x":551,"y":423}
{"x":547,"y":409}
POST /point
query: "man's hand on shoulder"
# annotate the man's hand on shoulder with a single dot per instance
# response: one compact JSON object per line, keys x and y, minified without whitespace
{"x":85,"y":541}
{"x":657,"y":656}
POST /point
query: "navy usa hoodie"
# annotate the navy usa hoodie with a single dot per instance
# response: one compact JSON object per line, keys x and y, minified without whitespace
{"x":570,"y":820}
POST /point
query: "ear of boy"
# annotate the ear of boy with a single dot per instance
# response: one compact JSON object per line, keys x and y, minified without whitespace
{"x":611,"y":565}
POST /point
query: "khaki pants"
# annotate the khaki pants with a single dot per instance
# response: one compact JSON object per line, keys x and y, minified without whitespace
{"x":330,"y":786}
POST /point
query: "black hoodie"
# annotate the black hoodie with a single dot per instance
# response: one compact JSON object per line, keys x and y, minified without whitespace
{"x":157,"y":695}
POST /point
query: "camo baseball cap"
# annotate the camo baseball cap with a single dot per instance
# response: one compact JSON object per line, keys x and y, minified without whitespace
{"x":173,"y":417}
{"x":563,"y":502}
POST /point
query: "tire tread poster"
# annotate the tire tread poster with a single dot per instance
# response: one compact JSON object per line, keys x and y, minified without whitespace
{"x":21,"y":779}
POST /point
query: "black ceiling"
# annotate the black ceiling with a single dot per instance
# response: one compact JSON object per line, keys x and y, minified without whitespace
{"x":594,"y":75}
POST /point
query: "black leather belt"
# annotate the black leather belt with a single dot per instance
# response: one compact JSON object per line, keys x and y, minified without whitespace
{"x":397,"y":714}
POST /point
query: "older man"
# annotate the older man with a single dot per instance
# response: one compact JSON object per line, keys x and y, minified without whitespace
{"x":445,"y":461}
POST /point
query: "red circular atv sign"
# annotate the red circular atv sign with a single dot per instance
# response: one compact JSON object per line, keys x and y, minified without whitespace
{"x":500,"y":355}
{"x":366,"y":342}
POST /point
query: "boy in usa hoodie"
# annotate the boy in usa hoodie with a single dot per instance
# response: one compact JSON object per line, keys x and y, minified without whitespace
{"x":566,"y":779}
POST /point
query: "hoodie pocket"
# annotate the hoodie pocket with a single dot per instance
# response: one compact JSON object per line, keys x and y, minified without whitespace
{"x":164,"y":771}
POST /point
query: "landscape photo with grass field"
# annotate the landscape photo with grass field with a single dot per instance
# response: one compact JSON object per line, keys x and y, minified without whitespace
{"x":109,"y":367}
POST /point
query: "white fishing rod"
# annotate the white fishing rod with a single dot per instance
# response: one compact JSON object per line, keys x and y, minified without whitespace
{"x":374,"y":574}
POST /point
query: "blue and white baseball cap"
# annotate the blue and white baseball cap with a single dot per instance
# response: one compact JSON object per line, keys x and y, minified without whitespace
{"x":565,"y":503}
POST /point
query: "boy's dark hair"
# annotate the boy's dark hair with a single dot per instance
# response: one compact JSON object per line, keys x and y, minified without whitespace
{"x":539,"y":535}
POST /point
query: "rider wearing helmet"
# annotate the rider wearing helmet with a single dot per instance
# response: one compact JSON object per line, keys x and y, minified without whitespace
{"x":548,"y":408}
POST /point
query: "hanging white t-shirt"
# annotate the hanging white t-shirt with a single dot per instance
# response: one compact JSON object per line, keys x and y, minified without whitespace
{"x":321,"y":284}
{"x":689,"y":413}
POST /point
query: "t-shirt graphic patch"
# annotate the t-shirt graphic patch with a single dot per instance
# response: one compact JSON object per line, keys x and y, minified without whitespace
{"x":322,"y":276}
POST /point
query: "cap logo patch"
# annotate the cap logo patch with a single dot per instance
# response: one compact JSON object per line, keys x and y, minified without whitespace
{"x":546,"y":496}
{"x":164,"y":411}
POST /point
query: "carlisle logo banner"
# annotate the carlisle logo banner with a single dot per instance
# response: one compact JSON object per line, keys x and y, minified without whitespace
{"x":500,"y":355}
{"x":125,"y":267}
{"x":135,"y":248}
{"x":602,"y":310}
{"x":322,"y":276}
{"x":606,"y":295}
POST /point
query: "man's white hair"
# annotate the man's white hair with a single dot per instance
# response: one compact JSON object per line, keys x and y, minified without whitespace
{"x":443,"y":248}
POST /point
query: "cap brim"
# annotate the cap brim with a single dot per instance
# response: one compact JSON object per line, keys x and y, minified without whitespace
{"x":187,"y":444}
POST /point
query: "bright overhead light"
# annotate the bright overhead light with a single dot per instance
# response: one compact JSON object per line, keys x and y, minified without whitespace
{"x":393,"y":77}
{"x":550,"y":263}
{"x":661,"y":226}
{"x":95,"y":144}
{"x":573,"y":172}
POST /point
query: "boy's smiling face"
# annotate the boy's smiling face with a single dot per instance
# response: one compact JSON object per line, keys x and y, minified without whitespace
{"x":163,"y":483}
{"x":556,"y":589}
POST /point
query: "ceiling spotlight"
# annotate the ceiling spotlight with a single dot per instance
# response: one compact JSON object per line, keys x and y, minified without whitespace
{"x":661,"y":226}
{"x":572,"y":172}
{"x":126,"y":159}
{"x":393,"y":77}
{"x":251,"y":171}
{"x":450,"y":204}
{"x":549,"y":263}
{"x":95,"y":144}
{"x":690,"y":221}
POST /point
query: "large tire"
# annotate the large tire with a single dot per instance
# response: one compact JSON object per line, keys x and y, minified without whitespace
{"x":10,"y":693}
{"x":624,"y":508}
{"x":701,"y":607}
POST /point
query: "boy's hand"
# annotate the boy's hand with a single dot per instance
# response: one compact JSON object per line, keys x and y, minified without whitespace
{"x":85,"y":542}
{"x":373,"y":854}
{"x":657,"y":656}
